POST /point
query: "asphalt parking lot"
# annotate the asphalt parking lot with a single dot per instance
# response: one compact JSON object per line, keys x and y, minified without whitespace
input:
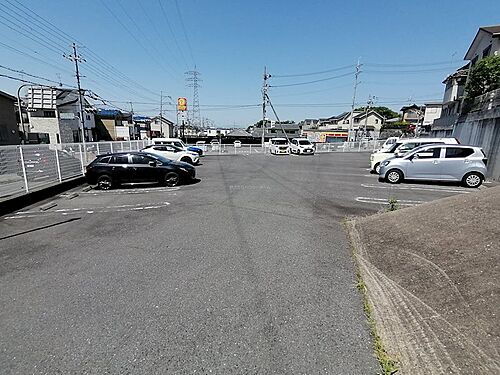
{"x":246,"y":271}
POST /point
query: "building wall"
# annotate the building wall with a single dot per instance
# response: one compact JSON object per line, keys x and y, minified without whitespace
{"x":486,"y":40}
{"x":482,"y":129}
{"x":110,"y":125}
{"x":431,"y":113}
{"x":9,"y":134}
{"x":372,"y":120}
{"x":49,"y":125}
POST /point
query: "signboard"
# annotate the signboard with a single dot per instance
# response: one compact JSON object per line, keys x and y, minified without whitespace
{"x":181,"y":104}
{"x":67,"y":116}
{"x":42,"y":98}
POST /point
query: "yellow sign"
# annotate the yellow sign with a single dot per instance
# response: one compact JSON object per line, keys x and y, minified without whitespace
{"x":182,"y":104}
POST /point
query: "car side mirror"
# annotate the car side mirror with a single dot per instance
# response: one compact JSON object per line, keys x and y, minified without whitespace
{"x":152,"y":163}
{"x":414,"y":156}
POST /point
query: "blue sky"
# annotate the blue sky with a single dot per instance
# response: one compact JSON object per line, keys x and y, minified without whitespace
{"x":406,"y":48}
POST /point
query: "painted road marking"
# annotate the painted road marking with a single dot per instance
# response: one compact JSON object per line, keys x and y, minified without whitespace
{"x":401,"y":202}
{"x":413,"y":187}
{"x":107,"y":209}
{"x":129,"y":191}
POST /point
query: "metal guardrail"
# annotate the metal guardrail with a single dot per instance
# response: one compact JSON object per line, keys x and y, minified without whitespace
{"x":24,"y":168}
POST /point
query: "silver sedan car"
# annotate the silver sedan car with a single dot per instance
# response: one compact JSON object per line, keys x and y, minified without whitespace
{"x":465,"y":164}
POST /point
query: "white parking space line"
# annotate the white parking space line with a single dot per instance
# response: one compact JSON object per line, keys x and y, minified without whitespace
{"x":129,"y":191}
{"x":401,"y":202}
{"x":80,"y":210}
{"x":413,"y":187}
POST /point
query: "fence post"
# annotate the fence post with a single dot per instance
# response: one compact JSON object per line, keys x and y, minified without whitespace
{"x":24,"y":170}
{"x":111,"y":146}
{"x":250,"y":149}
{"x":121,"y":144}
{"x":58,"y":166}
{"x":81,"y":158}
{"x":98,"y":151}
{"x":130,"y":145}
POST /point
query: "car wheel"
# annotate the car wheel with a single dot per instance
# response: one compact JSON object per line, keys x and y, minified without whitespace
{"x":105,"y":182}
{"x":394,"y":176}
{"x":472,"y":180}
{"x":172,"y":179}
{"x":185,"y":159}
{"x":377,"y":168}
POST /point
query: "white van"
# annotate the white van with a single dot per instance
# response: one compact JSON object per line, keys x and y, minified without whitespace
{"x":401,"y":147}
{"x":279,"y":146}
{"x":388,"y":144}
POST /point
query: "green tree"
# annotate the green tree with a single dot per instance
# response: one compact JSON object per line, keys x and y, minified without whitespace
{"x":383,"y":111}
{"x":484,"y":77}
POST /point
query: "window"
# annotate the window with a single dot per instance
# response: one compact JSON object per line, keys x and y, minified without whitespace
{"x":432,"y":153}
{"x":87,"y":117}
{"x":458,"y":152}
{"x":58,"y":138}
{"x":140,"y":159}
{"x":376,"y":121}
{"x":486,"y":51}
{"x":49,"y":113}
{"x":120,"y":159}
{"x":104,"y":160}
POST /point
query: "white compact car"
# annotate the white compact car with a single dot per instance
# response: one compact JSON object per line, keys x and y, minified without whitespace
{"x":279,"y":146}
{"x":173,"y":153}
{"x":301,"y":146}
{"x":402,"y":146}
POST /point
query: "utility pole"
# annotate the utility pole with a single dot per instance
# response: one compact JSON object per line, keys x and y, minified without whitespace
{"x":369,"y":103}
{"x":161,"y":113}
{"x":193,"y":81}
{"x":132,"y":118}
{"x":76,"y":58}
{"x":356,"y":83}
{"x":265,"y":87}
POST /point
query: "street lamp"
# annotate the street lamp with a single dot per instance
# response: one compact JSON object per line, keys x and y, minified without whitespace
{"x":20,"y":110}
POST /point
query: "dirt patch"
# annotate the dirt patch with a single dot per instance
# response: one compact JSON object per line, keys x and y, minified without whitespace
{"x":432,"y":276}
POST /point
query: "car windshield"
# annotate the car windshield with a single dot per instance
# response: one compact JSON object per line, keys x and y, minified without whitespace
{"x":394,"y":147}
{"x":280,"y":142}
{"x":304,"y":142}
{"x":179,"y":144}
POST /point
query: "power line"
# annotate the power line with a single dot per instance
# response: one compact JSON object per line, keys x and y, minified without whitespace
{"x":165,"y":16}
{"x":410,"y":65}
{"x":315,"y":81}
{"x":96,"y":69}
{"x":160,"y":35}
{"x":313,"y":73}
{"x":184,"y":31}
{"x":137,"y":40}
{"x":408,"y":71}
{"x":21,"y":80}
{"x":33,"y":76}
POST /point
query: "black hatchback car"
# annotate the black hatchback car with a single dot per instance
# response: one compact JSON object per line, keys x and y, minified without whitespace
{"x":111,"y":170}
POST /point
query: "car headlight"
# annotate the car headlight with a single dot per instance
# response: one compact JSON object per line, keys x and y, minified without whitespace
{"x":385,"y":163}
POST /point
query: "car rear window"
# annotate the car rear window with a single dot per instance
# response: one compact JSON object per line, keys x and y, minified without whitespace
{"x":119,"y":159}
{"x":456,"y":152}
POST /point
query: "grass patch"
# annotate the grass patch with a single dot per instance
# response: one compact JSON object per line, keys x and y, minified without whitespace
{"x":387,"y":364}
{"x":393,"y":204}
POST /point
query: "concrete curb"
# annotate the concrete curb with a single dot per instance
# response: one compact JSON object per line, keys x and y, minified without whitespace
{"x":20,"y":201}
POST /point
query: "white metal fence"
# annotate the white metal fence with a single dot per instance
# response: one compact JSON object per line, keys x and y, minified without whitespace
{"x":224,"y":149}
{"x":24,"y":168}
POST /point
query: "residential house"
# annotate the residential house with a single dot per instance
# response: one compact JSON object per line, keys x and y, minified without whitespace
{"x":114,"y":125}
{"x":54,"y":116}
{"x":162,"y":128}
{"x":9,"y":133}
{"x":452,"y":100}
{"x":142,"y":128}
{"x":277,"y":130}
{"x":432,"y":112}
{"x":412,"y":114}
{"x":486,"y":43}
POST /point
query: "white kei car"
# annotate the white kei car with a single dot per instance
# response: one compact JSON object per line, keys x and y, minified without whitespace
{"x":173,"y":153}
{"x":301,"y":146}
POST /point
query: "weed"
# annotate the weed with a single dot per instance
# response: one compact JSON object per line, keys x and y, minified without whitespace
{"x":393,"y":204}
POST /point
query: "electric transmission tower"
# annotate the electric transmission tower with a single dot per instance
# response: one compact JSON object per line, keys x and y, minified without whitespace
{"x":193,"y":81}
